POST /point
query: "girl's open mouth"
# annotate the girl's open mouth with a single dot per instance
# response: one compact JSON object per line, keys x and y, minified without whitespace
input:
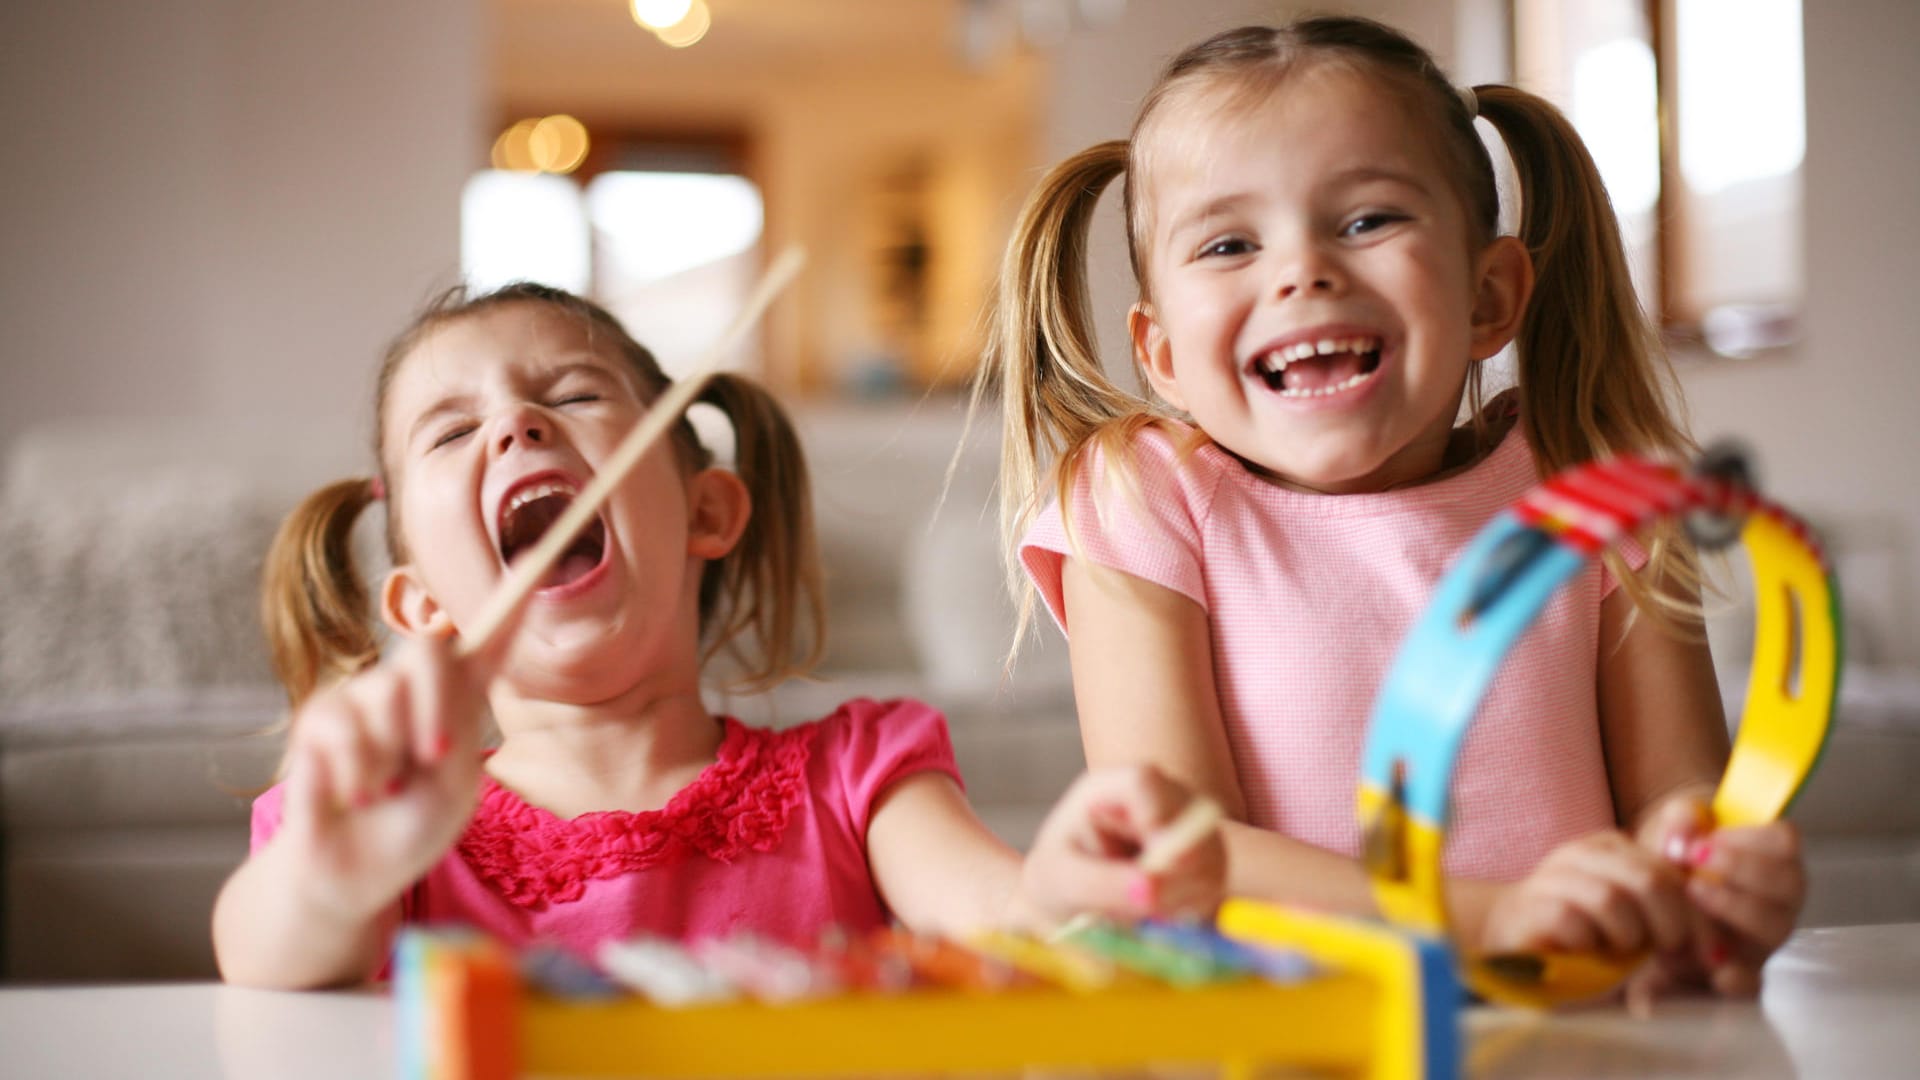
{"x":528,"y":513}
{"x":1322,"y":368}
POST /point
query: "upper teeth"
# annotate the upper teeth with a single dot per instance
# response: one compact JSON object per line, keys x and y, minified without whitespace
{"x":535,"y":491}
{"x":1277,"y":360}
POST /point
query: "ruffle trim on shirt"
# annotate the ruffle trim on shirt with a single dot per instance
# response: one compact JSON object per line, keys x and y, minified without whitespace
{"x":740,"y":803}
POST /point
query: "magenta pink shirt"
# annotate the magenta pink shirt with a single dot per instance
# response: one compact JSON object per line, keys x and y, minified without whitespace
{"x":770,"y":838}
{"x":1308,"y":597}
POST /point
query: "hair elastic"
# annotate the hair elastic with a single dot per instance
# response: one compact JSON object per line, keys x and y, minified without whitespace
{"x":377,"y":488}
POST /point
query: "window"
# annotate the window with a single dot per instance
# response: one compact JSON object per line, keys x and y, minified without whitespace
{"x":665,"y":240}
{"x":1709,"y":200}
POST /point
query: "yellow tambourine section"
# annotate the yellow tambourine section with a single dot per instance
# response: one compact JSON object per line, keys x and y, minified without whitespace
{"x":1487,"y":601}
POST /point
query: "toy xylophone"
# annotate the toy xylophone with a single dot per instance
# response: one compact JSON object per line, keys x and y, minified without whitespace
{"x":1265,"y":986}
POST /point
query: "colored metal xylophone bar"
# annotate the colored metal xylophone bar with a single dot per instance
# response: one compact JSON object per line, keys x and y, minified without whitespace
{"x":1491,"y":596}
{"x":1268,"y":987}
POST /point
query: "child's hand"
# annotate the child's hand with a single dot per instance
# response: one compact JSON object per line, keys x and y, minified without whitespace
{"x":1600,"y":893}
{"x":1747,"y":885}
{"x":1086,"y":855}
{"x":383,"y":773}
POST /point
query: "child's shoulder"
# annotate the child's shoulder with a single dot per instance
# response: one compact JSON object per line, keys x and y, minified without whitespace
{"x":1157,"y":453}
{"x":874,"y":725}
{"x":865,"y":745}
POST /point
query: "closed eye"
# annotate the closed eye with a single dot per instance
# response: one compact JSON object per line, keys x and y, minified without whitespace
{"x":453,"y":434}
{"x":581,"y":398}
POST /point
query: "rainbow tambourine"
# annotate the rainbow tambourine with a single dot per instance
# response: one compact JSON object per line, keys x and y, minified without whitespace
{"x":1489,"y":598}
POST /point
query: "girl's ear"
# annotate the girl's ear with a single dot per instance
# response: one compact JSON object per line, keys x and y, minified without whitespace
{"x":1503,"y":285}
{"x":408,"y":608}
{"x":1152,"y":352}
{"x":718,"y":507}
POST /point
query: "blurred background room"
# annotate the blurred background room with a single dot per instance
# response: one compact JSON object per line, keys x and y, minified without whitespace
{"x":213,"y":214}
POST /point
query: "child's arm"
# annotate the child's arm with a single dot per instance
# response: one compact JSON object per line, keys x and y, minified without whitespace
{"x":382,"y":775}
{"x":940,"y":869}
{"x":1660,"y":716}
{"x":1143,"y":681}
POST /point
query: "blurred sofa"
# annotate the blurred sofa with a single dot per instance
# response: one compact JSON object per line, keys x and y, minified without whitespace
{"x":137,"y":710}
{"x":138,"y":713}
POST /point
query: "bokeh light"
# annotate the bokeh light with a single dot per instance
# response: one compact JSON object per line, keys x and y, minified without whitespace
{"x":550,"y":144}
{"x":690,"y":29}
{"x":558,"y":144}
{"x":512,"y":152}
{"x":658,"y":15}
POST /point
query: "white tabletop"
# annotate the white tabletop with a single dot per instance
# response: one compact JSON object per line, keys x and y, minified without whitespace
{"x":1839,"y":1002}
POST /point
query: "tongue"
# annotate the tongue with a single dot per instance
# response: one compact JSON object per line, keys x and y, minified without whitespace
{"x":1320,"y":371}
{"x":572,"y":566}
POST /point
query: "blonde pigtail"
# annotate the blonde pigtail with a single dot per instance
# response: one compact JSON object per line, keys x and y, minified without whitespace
{"x":767,"y":591}
{"x":314,"y":606}
{"x":1043,"y":355}
{"x":1593,"y":377}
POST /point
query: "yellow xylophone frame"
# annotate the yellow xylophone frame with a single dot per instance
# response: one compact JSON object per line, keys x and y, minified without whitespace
{"x":1382,"y":1005}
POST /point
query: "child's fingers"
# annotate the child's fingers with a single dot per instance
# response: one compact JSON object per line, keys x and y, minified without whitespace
{"x":336,"y":735}
{"x":1761,"y":860}
{"x":1548,"y":921}
{"x":384,"y":705}
{"x":1635,"y":899}
{"x":1194,"y":886}
{"x":1607,"y":909}
{"x":444,"y":699}
{"x":1674,"y":825}
{"x":1756,"y":918}
{"x":1739,"y":977}
{"x":310,"y":800}
{"x":1124,"y":808}
{"x":1079,"y":880}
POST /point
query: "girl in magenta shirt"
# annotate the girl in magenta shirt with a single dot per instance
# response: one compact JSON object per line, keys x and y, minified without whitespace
{"x":615,"y":803}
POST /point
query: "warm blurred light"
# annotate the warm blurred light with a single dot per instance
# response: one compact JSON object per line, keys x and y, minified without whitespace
{"x":689,"y":29}
{"x":512,"y":150}
{"x":1617,"y":111}
{"x":1742,"y":95}
{"x":658,"y":15}
{"x":558,"y":144}
{"x":652,"y":225}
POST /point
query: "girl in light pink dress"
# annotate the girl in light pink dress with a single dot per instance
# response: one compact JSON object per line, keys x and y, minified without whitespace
{"x":1313,"y":223}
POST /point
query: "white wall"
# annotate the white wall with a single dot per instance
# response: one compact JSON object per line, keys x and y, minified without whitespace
{"x":221,"y":209}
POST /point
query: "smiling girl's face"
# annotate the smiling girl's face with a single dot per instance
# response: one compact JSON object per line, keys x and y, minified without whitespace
{"x":1314,"y":301}
{"x":494,"y":423}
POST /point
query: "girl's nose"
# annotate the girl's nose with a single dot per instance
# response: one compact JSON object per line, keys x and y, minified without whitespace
{"x":524,"y":426}
{"x":1309,"y":272}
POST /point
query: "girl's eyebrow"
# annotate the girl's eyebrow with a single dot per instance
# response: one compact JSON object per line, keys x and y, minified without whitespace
{"x":452,"y":404}
{"x":1362,"y":174}
{"x":1200,"y":215}
{"x":579,"y":367}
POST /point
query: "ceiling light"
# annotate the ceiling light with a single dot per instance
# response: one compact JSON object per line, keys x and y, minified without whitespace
{"x":658,"y":15}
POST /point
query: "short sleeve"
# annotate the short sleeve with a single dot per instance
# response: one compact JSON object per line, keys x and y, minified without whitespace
{"x":1635,"y":555}
{"x":1149,"y":524}
{"x":268,"y":809}
{"x":876,"y":744}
